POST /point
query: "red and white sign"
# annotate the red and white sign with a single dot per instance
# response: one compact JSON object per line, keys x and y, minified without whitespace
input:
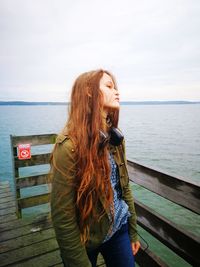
{"x":24,"y":151}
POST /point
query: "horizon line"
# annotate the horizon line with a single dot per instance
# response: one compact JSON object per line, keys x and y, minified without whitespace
{"x":162,"y":100}
{"x":22,"y":102}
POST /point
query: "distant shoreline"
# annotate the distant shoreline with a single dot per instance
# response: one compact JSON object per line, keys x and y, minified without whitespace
{"x":26,"y":103}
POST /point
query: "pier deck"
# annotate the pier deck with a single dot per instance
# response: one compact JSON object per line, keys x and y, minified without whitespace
{"x":25,"y":243}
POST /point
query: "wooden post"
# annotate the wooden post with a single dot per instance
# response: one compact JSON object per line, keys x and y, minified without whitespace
{"x":15,"y":176}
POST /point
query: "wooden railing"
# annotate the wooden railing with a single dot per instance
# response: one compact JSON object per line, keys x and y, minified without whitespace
{"x":180,"y":191}
{"x":30,"y":181}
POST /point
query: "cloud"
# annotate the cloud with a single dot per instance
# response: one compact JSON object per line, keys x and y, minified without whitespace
{"x":152,"y":47}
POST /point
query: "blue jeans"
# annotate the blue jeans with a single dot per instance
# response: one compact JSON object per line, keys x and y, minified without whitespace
{"x":116,"y":251}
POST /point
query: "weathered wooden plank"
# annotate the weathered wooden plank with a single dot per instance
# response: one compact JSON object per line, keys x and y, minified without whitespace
{"x":34,"y":140}
{"x":169,"y":187}
{"x":25,"y":230}
{"x":7,"y":199}
{"x":25,"y":253}
{"x":33,"y":201}
{"x":6,"y":211}
{"x":6,"y":205}
{"x":35,"y":160}
{"x":8,"y":218}
{"x":4,"y":184}
{"x":4,"y":195}
{"x":5,"y":190}
{"x":145,"y":257}
{"x":26,"y":240}
{"x":51,"y":258}
{"x":37,"y":222}
{"x":32,"y":180}
{"x":179,"y":240}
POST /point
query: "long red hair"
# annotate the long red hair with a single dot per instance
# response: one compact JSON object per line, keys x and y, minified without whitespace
{"x":86,"y":118}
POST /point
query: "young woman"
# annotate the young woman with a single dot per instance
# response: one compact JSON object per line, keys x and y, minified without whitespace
{"x":91,"y":201}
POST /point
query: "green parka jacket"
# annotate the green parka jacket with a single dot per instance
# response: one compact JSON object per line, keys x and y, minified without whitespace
{"x":64,"y":216}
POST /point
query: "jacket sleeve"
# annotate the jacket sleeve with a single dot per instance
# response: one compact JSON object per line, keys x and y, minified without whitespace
{"x":63,"y":207}
{"x":128,"y":197}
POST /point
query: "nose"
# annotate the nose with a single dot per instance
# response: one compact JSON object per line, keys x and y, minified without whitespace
{"x":116,"y":92}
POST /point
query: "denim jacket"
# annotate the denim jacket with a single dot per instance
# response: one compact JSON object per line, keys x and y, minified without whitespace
{"x":64,"y":216}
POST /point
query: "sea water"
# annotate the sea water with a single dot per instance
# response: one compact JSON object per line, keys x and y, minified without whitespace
{"x":160,"y":136}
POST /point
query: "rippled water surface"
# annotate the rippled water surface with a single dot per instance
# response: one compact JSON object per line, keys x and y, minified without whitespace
{"x":166,"y":137}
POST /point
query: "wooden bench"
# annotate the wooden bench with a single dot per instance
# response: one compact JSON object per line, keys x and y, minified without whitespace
{"x":179,"y":191}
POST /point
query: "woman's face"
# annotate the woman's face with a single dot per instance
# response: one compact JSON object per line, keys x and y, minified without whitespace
{"x":110,"y":94}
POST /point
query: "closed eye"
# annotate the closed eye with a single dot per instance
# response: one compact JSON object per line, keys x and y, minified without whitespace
{"x":110,"y":85}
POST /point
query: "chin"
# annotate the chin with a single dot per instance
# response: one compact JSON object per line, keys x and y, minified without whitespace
{"x":112,"y":107}
{"x":115,"y":107}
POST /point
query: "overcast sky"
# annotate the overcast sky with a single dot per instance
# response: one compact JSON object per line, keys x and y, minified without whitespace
{"x":151,"y":46}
